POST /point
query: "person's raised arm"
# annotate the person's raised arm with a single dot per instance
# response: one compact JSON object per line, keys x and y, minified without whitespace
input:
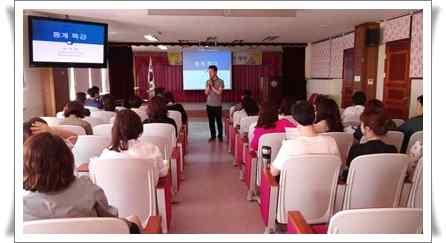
{"x":38,"y":127}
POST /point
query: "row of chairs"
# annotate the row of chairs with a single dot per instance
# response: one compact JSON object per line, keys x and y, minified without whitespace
{"x":135,"y":193}
{"x":251,"y":166}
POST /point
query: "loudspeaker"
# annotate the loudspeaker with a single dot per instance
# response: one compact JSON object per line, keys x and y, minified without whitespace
{"x":372,"y":37}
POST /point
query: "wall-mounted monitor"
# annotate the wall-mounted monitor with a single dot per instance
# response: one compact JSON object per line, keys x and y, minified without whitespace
{"x":67,"y":43}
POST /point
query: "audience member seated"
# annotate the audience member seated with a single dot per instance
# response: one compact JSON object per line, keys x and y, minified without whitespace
{"x":268,"y":122}
{"x":328,"y":118}
{"x":173,"y":106}
{"x":237,"y":107}
{"x":127,"y":128}
{"x":81,"y":97}
{"x":52,"y":189}
{"x":413,"y":125}
{"x":309,"y":141}
{"x":37,"y":125}
{"x":133,"y":102}
{"x":93,"y":99}
{"x":160,"y":92}
{"x":351,"y":114}
{"x":73,"y":116}
{"x":157,"y":112}
{"x":249,"y":108}
{"x":376,"y":106}
{"x":285,"y":106}
{"x":108,"y":103}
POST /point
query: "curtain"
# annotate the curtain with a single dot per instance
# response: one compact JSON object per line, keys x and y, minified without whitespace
{"x":171,"y":76}
{"x":120,"y":67}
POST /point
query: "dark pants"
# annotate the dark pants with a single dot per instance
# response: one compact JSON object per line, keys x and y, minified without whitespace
{"x":214,"y":115}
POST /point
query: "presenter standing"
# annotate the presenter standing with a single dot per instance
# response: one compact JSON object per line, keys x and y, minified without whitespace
{"x":214,"y":90}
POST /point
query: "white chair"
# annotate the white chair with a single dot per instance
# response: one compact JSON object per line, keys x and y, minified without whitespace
{"x":161,"y":129}
{"x":176,"y":116}
{"x":96,"y":225}
{"x":89,"y":146}
{"x":274,"y":140}
{"x":141,"y":113}
{"x":104,"y":130}
{"x":307,"y":184}
{"x":417,"y":136}
{"x":60,"y":115}
{"x":74,"y":129}
{"x":398,"y":122}
{"x":164,"y":146}
{"x":375,"y":181}
{"x":246,"y":122}
{"x":251,"y":129}
{"x":365,"y":221}
{"x":377,"y":221}
{"x":120,"y":108}
{"x":104,"y":115}
{"x":52,"y":121}
{"x":416,"y":191}
{"x":394,"y":138}
{"x":344,"y":141}
{"x":94,"y":121}
{"x":136,"y":192}
{"x":91,"y":108}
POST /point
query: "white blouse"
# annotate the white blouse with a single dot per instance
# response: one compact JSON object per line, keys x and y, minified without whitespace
{"x":140,"y":150}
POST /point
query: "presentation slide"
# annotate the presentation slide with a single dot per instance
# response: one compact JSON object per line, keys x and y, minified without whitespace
{"x":196,"y":63}
{"x":67,"y":42}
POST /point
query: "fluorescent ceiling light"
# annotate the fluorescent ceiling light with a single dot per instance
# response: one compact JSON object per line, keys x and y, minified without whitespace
{"x":150,"y":37}
{"x":162,"y":47}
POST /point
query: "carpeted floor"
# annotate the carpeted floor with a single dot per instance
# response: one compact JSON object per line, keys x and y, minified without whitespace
{"x":212,"y":197}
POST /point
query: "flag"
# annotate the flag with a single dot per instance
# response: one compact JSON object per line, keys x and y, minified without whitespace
{"x":151,"y":79}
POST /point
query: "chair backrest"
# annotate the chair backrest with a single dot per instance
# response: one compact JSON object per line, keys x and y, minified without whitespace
{"x":134,"y":193}
{"x":104,"y":130}
{"x":89,"y":146}
{"x":78,"y":130}
{"x":60,"y":115}
{"x":344,"y":141}
{"x":91,"y":108}
{"x":161,"y":129}
{"x":251,"y":129}
{"x":245,"y":122}
{"x":96,"y":225}
{"x":104,"y":115}
{"x":308,"y":184}
{"x":176,"y":115}
{"x":274,"y":140}
{"x":416,"y":191}
{"x":141,"y":113}
{"x":94,"y":121}
{"x":394,"y":138}
{"x":375,"y":181}
{"x":162,"y":143}
{"x":417,"y":136}
{"x":377,"y":221}
{"x":398,"y":122}
{"x":52,"y":120}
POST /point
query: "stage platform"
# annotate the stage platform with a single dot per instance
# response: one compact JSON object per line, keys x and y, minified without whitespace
{"x":199,"y":109}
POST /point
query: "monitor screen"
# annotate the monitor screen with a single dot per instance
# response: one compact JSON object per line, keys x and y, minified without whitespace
{"x":196,"y":63}
{"x":67,"y":43}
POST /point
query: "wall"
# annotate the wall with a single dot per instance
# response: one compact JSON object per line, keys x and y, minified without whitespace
{"x":34,"y":80}
{"x":333,"y":85}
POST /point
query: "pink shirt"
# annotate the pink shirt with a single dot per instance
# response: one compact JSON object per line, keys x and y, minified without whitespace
{"x":258,"y":131}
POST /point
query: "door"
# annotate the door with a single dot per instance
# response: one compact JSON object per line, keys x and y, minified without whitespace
{"x":347,"y":77}
{"x":396,"y":82}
